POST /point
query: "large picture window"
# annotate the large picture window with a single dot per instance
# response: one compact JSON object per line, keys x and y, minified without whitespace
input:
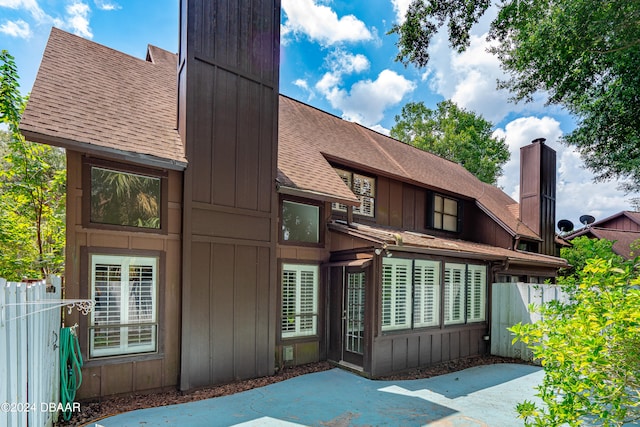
{"x":411,"y":293}
{"x":364,"y":187}
{"x":300,"y":222}
{"x":124,"y":320}
{"x":120,"y":196}
{"x":465,"y":289}
{"x":299,"y":300}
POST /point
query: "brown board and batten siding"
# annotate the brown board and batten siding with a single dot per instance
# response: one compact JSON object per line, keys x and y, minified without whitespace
{"x":227,"y":118}
{"x":135,"y":373}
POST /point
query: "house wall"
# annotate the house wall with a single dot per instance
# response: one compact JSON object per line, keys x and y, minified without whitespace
{"x":404,"y":206}
{"x":312,"y":348}
{"x":228,"y":77}
{"x":621,"y":223}
{"x":117,"y":375}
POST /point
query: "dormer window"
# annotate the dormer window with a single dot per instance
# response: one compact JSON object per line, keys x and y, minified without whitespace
{"x":364,"y":187}
{"x":446,"y":213}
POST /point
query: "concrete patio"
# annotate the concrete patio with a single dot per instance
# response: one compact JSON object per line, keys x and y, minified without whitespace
{"x":479,"y":396}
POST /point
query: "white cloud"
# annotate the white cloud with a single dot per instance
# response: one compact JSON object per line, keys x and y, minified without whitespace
{"x":320,"y":23}
{"x":30,"y":6}
{"x":576,"y":193}
{"x":78,"y":19}
{"x":367,"y":100}
{"x":400,"y":8}
{"x":107,"y":5}
{"x":19,"y":29}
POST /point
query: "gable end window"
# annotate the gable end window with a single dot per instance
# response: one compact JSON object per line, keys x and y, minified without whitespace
{"x":445,"y":213}
{"x":364,"y":187}
{"x":125,"y":317}
{"x":124,"y":197}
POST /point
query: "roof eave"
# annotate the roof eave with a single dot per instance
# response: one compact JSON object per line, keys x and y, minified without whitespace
{"x":315,"y":195}
{"x":111,"y":153}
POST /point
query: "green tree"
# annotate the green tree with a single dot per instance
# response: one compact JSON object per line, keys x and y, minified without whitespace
{"x":589,"y":348}
{"x":32,"y":192}
{"x":455,"y":134}
{"x":582,"y":54}
{"x":583,"y":249}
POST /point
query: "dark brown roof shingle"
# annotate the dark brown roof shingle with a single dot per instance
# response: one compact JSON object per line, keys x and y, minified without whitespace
{"x":90,"y":96}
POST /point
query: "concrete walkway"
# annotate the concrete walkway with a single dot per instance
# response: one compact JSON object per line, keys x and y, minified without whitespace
{"x":480,"y":396}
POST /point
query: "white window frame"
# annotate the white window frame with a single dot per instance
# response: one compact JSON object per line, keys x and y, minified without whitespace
{"x":304,"y":321}
{"x":125,"y":318}
{"x":426,"y":293}
{"x":476,"y":293}
{"x":454,"y":293}
{"x":396,"y":293}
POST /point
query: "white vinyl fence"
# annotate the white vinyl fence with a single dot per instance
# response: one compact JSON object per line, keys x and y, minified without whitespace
{"x":29,"y":353}
{"x":510,"y":305}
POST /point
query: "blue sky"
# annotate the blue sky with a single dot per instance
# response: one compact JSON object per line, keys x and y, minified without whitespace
{"x":336,"y":56}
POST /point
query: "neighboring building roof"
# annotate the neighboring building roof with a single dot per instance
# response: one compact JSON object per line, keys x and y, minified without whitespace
{"x":613,"y":228}
{"x":91,"y":98}
{"x":408,"y":240}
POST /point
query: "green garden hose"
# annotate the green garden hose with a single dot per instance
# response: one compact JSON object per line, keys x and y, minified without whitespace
{"x":70,"y":369}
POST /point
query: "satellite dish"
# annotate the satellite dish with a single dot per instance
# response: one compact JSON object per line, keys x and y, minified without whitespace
{"x":565,"y":226}
{"x":587,"y":219}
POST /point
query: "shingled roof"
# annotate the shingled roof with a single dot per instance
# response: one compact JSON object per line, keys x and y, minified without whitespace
{"x":91,"y":98}
{"x":310,"y":138}
{"x":94,"y":99}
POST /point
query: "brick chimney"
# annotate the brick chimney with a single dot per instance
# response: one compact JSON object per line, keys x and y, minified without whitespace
{"x":538,"y":192}
{"x":228,"y":73}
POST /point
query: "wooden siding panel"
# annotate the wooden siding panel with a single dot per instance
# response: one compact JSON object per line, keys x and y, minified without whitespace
{"x":465,"y":337}
{"x":267,"y":152}
{"x":117,"y":379}
{"x":421,"y":209}
{"x":198,"y":315}
{"x":248,"y":171}
{"x":408,"y":207}
{"x":399,"y":354}
{"x":225,"y":139}
{"x":146,"y":375}
{"x":245,"y":327}
{"x":222,"y":305}
{"x":231,"y":225}
{"x":413,"y":351}
{"x":425,"y":349}
{"x":395,"y":204}
{"x":265,"y":318}
{"x":382,"y":201}
{"x":202,"y":129}
{"x":436,"y":348}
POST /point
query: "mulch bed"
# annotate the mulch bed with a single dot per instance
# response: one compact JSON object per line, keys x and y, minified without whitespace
{"x":94,"y":411}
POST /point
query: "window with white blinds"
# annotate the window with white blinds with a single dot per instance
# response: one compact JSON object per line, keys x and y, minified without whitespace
{"x":396,"y":293}
{"x":299,"y":300}
{"x":476,"y":293}
{"x":364,"y":187}
{"x":124,"y":319}
{"x":454,"y":292}
{"x":411,"y":293}
{"x":426,"y":293}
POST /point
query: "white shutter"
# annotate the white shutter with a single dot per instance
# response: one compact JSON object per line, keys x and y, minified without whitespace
{"x":476,"y":293}
{"x":426,"y":293}
{"x":346,"y":178}
{"x":299,"y":300}
{"x":364,"y":188}
{"x":396,"y":294}
{"x":454,"y":291}
{"x":125,"y":318}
